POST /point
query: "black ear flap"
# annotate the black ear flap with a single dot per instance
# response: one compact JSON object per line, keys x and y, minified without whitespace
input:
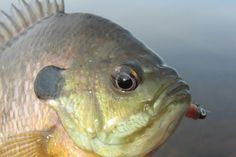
{"x":49,"y":83}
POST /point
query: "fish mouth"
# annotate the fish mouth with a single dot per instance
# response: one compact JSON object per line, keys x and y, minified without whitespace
{"x":172,"y":92}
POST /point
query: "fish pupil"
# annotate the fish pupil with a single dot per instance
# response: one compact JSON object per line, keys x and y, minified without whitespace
{"x":125,"y":82}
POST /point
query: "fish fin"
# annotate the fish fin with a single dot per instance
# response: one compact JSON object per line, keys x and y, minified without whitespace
{"x":21,"y":18}
{"x":32,"y":144}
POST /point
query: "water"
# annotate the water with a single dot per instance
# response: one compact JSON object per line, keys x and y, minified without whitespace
{"x":198,"y":38}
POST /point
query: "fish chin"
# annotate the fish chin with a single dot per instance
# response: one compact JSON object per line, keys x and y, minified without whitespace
{"x":147,"y":130}
{"x":145,"y":139}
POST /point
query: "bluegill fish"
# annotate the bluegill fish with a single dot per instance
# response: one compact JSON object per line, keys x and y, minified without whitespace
{"x":78,"y":85}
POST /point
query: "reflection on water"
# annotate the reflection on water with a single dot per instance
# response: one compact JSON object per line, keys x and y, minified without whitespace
{"x":198,"y":38}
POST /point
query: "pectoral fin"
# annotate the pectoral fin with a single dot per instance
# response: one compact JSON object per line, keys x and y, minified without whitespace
{"x":32,"y":144}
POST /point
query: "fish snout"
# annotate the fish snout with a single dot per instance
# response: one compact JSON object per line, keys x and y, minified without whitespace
{"x":176,"y":87}
{"x":168,"y":71}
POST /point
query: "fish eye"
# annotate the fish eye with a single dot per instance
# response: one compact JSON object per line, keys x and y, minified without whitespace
{"x":125,"y":78}
{"x":125,"y":82}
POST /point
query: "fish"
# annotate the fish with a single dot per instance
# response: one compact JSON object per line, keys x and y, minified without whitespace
{"x":79,"y":85}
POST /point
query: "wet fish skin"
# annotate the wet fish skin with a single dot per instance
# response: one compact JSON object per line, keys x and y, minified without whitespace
{"x":89,"y":113}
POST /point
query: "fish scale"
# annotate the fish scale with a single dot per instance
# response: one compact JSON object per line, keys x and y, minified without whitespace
{"x":22,"y":112}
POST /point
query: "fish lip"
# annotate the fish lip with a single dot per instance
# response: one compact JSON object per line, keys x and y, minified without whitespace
{"x":175,"y":90}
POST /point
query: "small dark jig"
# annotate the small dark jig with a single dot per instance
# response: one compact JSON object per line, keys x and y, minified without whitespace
{"x":196,"y":111}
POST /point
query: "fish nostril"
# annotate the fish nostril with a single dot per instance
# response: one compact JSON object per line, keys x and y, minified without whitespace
{"x":166,"y":71}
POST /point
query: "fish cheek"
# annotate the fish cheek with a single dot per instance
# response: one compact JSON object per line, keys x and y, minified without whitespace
{"x":49,"y":83}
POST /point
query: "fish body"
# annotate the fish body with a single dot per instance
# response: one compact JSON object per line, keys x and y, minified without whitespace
{"x":79,"y":85}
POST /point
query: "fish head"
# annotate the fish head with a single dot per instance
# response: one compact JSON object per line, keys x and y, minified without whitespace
{"x":117,"y":97}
